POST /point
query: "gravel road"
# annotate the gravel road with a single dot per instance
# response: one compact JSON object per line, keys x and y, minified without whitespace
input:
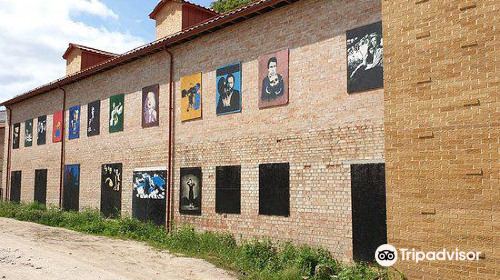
{"x":31,"y":251}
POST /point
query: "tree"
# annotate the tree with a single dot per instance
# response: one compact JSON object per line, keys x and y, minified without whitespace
{"x":222,"y":6}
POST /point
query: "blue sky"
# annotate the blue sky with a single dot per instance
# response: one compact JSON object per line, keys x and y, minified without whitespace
{"x":35,"y":34}
{"x":133,"y":17}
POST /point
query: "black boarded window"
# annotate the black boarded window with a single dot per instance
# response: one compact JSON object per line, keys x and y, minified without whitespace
{"x":228,"y":189}
{"x":274,"y":189}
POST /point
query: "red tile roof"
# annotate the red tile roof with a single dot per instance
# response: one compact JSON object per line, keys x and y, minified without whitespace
{"x":208,"y":26}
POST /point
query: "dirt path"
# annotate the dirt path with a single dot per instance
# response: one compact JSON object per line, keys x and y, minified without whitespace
{"x":31,"y":251}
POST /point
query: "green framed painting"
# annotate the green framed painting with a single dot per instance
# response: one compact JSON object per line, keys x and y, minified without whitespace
{"x":116,"y":111}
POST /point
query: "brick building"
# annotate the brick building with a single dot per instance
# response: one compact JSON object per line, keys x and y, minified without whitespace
{"x":310,"y":170}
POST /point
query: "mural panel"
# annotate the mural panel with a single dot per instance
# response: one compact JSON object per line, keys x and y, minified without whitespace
{"x":111,"y":189}
{"x":41,"y":130}
{"x":74,"y":122}
{"x":274,"y":189}
{"x":71,"y":188}
{"x":16,"y":135}
{"x":150,"y":106}
{"x":148,"y":196}
{"x":57,"y":127}
{"x":28,"y":133}
{"x":116,"y":107}
{"x":94,"y":118}
{"x":190,"y":191}
{"x":191,"y":97}
{"x":228,"y":81}
{"x":365,"y":68}
{"x":228,"y":189}
{"x":273,"y":77}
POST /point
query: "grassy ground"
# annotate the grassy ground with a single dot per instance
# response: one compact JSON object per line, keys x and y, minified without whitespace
{"x":252,"y":260}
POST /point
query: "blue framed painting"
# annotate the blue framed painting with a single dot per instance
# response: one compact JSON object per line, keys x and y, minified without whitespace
{"x":74,"y":122}
{"x":228,"y":91}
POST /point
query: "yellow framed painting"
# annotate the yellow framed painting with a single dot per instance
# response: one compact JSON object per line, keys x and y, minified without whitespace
{"x":191,"y":97}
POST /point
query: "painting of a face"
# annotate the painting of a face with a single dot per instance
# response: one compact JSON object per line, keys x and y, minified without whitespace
{"x":150,"y":112}
{"x":74,"y":122}
{"x":273,"y":77}
{"x":228,"y":95}
{"x":15,"y":136}
{"x":365,"y":69}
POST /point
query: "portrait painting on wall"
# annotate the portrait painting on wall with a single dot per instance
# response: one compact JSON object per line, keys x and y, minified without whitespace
{"x":111,"y":189}
{"x":190,"y":191}
{"x":28,"y":133}
{"x":191,"y":97}
{"x":365,"y":69}
{"x":94,"y":118}
{"x":228,"y":91}
{"x":150,"y":106}
{"x":74,"y":122}
{"x":41,"y":130}
{"x":148,"y":195}
{"x":57,"y":127}
{"x":71,"y":187}
{"x":273,"y":79}
{"x":116,"y":104}
{"x":16,"y":135}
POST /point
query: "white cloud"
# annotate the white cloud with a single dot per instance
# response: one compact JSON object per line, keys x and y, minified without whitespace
{"x":35,"y":34}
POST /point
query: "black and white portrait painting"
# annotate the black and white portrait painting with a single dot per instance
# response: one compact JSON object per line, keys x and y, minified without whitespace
{"x":365,"y":58}
{"x":28,"y":133}
{"x":41,"y":130}
{"x":190,"y":191}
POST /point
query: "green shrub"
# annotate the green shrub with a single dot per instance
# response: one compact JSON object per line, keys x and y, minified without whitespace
{"x":252,"y":260}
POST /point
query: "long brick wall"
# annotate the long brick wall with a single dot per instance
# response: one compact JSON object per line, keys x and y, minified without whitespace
{"x":320,"y":132}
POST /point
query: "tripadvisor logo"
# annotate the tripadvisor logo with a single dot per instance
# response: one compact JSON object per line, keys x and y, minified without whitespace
{"x":387,"y":255}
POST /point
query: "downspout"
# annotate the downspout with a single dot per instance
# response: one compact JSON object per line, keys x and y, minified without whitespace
{"x":62,"y":147}
{"x":7,"y":176}
{"x":170,"y":136}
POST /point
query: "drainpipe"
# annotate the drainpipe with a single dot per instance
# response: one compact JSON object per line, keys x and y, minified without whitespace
{"x":170,"y":136}
{"x":62,"y":147}
{"x":9,"y":148}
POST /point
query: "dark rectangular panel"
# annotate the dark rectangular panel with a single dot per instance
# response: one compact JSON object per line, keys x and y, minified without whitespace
{"x":369,"y":226}
{"x":71,"y":187}
{"x":190,"y":191}
{"x":365,"y":69}
{"x":111,"y":189}
{"x":228,"y":189}
{"x":93,"y":118}
{"x":28,"y":133}
{"x":16,"y":135}
{"x":41,"y":185}
{"x":41,"y":130}
{"x":274,"y":189}
{"x":15,"y":186}
{"x":148,"y":196}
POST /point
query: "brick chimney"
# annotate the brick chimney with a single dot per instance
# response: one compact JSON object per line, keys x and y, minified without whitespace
{"x":79,"y":58}
{"x":172,"y":16}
